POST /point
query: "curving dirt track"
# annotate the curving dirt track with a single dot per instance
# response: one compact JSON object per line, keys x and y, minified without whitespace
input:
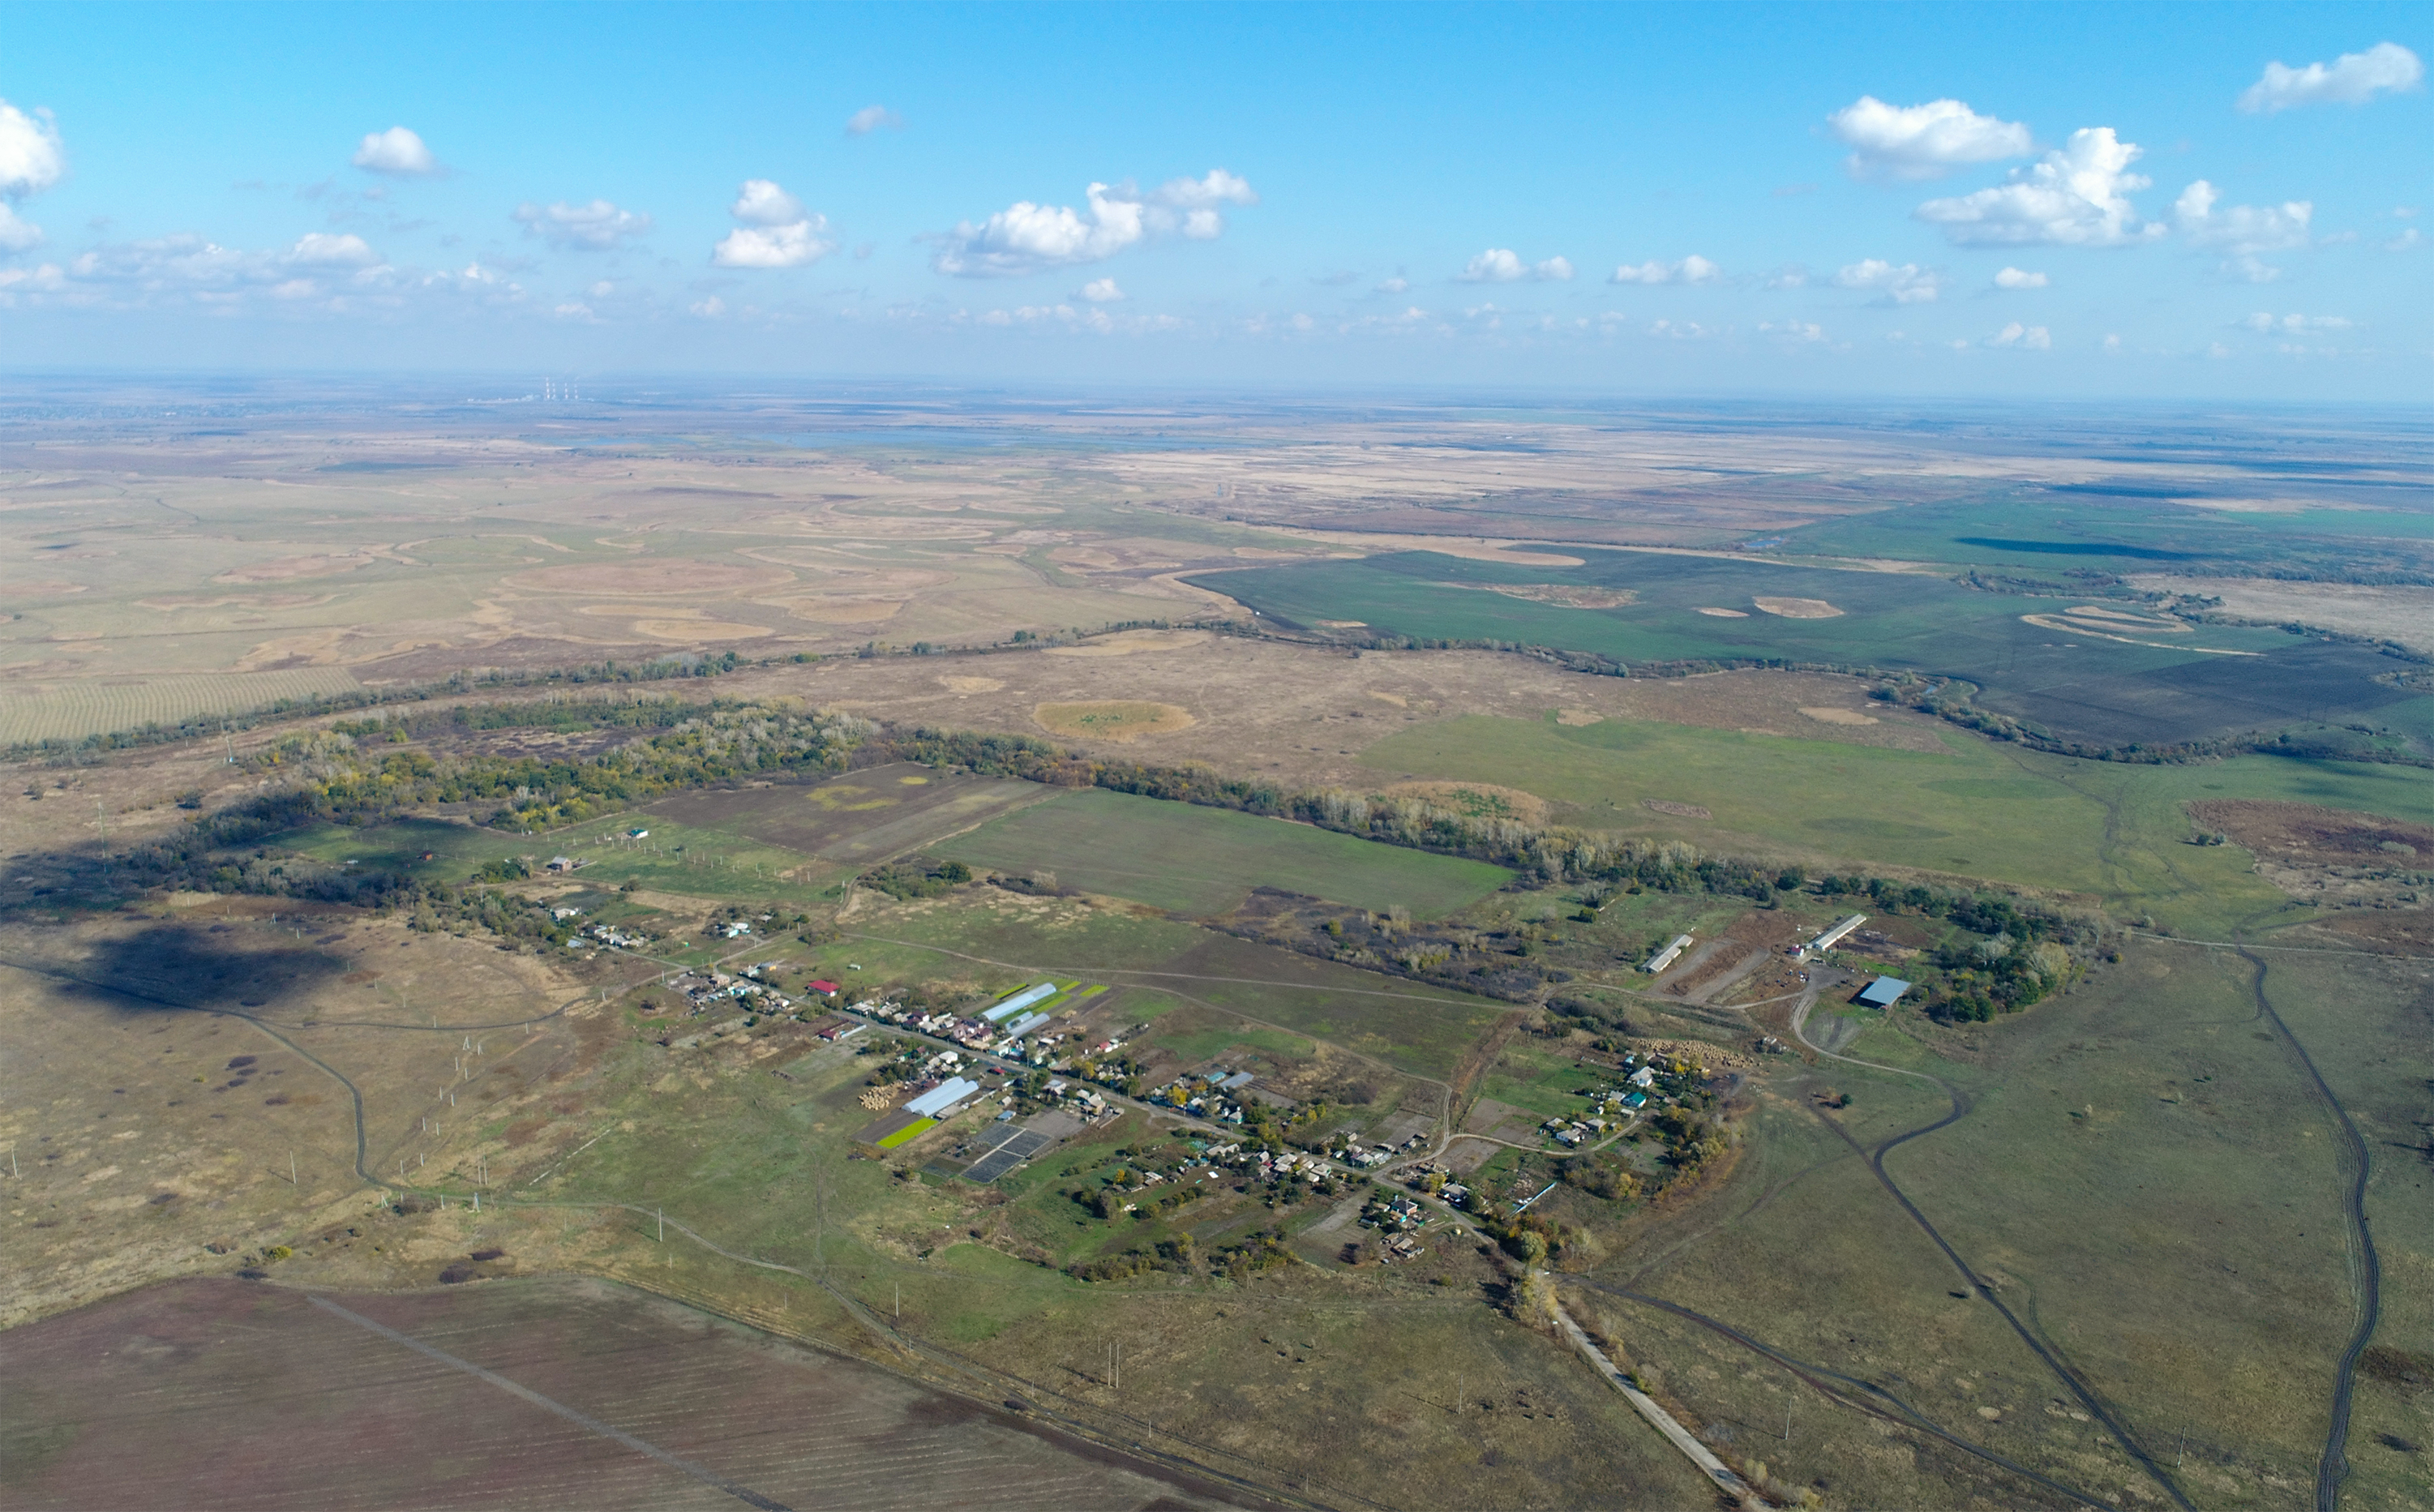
{"x":2333,"y":1468}
{"x":2070,"y":1379}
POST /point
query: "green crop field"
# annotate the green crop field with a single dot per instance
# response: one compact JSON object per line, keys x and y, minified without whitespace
{"x":2048,"y":535}
{"x":1204,"y":861}
{"x":2115,"y":829}
{"x":2084,"y":687}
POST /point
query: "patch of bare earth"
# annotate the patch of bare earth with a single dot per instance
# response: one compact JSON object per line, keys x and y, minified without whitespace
{"x":1798,"y":609}
{"x":2330,"y":857}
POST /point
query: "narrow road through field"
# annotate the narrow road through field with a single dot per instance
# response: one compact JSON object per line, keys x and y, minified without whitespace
{"x":2366,"y":1269}
{"x":1978,"y":1284}
{"x":1853,"y":1392}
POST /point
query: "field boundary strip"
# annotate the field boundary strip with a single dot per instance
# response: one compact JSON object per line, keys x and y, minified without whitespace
{"x":708,"y":1477}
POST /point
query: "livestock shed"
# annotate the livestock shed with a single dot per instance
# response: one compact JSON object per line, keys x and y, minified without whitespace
{"x":1665,"y":958}
{"x":1881,"y":992}
{"x":1019,"y":1001}
{"x":941,"y":1098}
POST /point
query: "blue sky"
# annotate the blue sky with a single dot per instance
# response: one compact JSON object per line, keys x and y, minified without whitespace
{"x":1638,"y":197}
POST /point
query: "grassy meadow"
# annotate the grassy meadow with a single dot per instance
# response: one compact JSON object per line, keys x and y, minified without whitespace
{"x":2140,"y":1175}
{"x":2115,"y":830}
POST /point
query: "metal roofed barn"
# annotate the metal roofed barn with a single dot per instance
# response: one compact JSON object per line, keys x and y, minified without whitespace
{"x":1881,"y":992}
{"x":1665,"y":958}
{"x":946,"y":1094}
{"x":1019,"y":1001}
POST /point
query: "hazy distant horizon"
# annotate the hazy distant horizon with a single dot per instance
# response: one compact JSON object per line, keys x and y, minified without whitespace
{"x":2074,"y":201}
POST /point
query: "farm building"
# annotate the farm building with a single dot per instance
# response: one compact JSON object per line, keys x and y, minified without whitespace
{"x":824,"y":988}
{"x":1881,"y":992}
{"x":1827,"y":940}
{"x":1019,"y":1001}
{"x":938,"y":1100}
{"x":1666,"y":957}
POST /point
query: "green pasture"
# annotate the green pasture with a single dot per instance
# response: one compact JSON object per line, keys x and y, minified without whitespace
{"x":713,"y":864}
{"x":1889,"y":618}
{"x":1194,"y":860}
{"x":1196,"y":1045}
{"x":2110,"y":691}
{"x":1980,"y":808}
{"x":2110,"y":1176}
{"x":1542,"y":1082}
{"x":2047,"y":536}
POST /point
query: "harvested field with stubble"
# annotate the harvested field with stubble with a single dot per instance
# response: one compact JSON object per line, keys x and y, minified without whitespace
{"x":226,"y":1393}
{"x":861,"y":816}
{"x":71,"y":710}
{"x":1203,"y":861}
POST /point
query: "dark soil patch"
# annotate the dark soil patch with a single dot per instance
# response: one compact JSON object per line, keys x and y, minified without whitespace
{"x":2303,"y":834}
{"x":2391,"y":930}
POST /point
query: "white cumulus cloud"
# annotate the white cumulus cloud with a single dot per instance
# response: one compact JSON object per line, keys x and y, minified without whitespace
{"x":321,"y":250}
{"x":794,"y":246}
{"x":760,"y":203}
{"x":2074,"y":196}
{"x":32,"y":159}
{"x":1101,"y":291}
{"x":777,"y":231}
{"x":1026,"y":237}
{"x":2027,"y":337}
{"x":870,"y":118}
{"x":397,"y":152}
{"x":18,"y":234}
{"x":1691,"y":269}
{"x":1501,"y":265}
{"x":2240,"y":228}
{"x":1922,"y":140}
{"x":2264,"y":323}
{"x":597,"y":227}
{"x":2353,"y":78}
{"x":2012,"y":277}
{"x":1905,"y":284}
